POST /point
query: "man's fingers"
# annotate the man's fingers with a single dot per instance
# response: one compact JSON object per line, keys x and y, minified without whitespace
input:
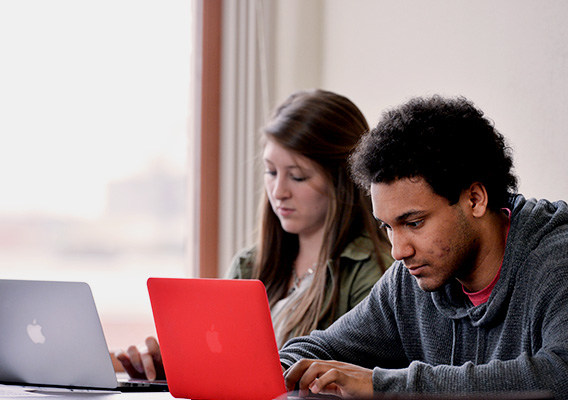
{"x":313,"y":374}
{"x":328,"y":382}
{"x":304,"y":373}
{"x":331,"y":377}
{"x":295,"y":372}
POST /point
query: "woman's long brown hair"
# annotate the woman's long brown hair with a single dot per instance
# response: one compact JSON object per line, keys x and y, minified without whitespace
{"x":323,"y":127}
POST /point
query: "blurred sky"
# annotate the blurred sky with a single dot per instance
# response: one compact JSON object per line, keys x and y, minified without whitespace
{"x":90,"y":91}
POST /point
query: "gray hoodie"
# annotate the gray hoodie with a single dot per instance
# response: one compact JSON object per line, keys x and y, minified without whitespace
{"x":439,"y":342}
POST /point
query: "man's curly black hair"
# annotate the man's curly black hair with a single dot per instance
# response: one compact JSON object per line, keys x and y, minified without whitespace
{"x":446,"y":141}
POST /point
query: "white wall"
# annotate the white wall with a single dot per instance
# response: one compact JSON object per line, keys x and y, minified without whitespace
{"x":299,"y":45}
{"x":509,"y":56}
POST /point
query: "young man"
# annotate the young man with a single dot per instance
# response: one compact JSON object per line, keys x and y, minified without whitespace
{"x":477,"y":299}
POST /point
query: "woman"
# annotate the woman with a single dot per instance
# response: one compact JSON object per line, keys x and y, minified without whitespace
{"x":317,"y":243}
{"x":319,"y":250}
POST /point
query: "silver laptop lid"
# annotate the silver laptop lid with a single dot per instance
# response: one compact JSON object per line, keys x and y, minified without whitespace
{"x":50,"y":334}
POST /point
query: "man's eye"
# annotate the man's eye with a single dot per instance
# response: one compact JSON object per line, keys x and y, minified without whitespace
{"x":415,"y":224}
{"x":382,"y":225}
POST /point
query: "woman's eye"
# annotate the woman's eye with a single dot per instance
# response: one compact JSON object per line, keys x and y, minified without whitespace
{"x":299,"y":178}
{"x":269,"y":172}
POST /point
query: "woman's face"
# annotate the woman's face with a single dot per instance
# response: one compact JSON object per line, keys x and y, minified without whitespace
{"x":297,"y":190}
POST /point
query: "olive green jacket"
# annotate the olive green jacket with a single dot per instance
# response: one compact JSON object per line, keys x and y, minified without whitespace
{"x":358,"y":273}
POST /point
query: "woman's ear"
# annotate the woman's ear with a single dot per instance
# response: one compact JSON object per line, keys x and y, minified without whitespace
{"x":478,"y":199}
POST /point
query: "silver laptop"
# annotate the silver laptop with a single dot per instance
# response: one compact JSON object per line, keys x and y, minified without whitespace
{"x":51,"y":334}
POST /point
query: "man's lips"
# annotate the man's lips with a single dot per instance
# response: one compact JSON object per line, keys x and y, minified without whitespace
{"x":415,"y":269}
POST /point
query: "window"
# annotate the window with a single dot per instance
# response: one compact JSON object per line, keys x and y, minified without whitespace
{"x":95,"y":108}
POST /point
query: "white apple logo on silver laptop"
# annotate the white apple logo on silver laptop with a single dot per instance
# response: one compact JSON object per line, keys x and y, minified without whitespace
{"x":34,"y":332}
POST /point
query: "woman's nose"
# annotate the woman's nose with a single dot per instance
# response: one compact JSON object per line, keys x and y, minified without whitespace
{"x":280,"y":189}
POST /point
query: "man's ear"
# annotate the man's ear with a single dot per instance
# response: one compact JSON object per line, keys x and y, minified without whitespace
{"x":478,"y":199}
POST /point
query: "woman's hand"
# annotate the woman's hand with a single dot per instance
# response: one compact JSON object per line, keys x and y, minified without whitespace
{"x":143,"y":362}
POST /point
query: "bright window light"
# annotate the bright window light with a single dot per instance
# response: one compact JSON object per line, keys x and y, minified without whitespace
{"x":94,"y":98}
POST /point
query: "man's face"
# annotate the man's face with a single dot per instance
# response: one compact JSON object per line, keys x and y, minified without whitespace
{"x":436,"y":241}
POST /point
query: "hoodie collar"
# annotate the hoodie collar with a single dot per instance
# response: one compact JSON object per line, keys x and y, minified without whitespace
{"x":530,"y":221}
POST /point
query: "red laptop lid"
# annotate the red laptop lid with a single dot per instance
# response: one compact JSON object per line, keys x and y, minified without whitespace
{"x":216,"y":338}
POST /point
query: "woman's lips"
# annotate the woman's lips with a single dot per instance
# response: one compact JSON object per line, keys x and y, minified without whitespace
{"x":284,"y":211}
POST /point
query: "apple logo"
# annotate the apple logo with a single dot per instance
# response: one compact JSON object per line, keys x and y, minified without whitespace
{"x":212,"y":338}
{"x":34,"y":332}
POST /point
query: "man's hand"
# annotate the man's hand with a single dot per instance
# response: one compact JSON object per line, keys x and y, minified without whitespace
{"x":143,"y":363}
{"x":345,"y":380}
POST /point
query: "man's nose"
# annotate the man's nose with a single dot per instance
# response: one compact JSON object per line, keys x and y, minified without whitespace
{"x":401,"y":246}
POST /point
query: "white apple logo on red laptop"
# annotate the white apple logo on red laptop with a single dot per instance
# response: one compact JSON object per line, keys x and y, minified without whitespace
{"x":212,"y":338}
{"x":34,"y":332}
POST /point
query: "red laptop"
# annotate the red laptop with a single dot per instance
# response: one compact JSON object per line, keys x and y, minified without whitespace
{"x":216,"y":338}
